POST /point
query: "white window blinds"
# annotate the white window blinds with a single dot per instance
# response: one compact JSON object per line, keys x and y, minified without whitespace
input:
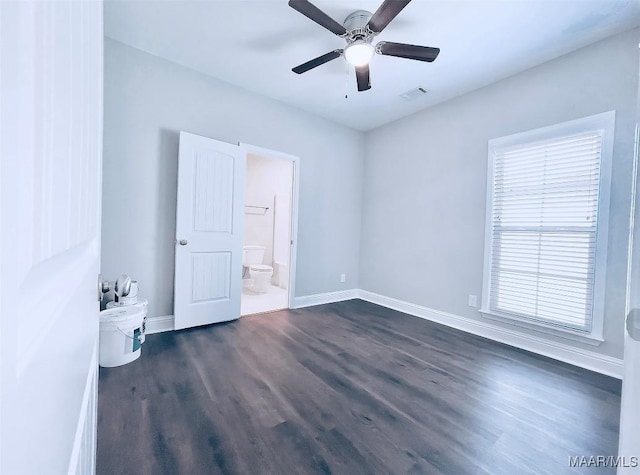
{"x":543,"y":230}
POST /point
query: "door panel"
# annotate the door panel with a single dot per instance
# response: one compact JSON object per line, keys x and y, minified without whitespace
{"x":50,"y":177}
{"x":209,"y":231}
{"x":213,"y":192}
{"x":211,"y":274}
{"x":630,"y":404}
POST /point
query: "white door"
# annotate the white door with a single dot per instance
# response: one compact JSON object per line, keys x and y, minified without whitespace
{"x":630,"y":408}
{"x":630,"y":411}
{"x":209,"y":231}
{"x":50,"y":180}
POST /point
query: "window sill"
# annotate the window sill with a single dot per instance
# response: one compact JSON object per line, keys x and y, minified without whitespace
{"x":589,"y":339}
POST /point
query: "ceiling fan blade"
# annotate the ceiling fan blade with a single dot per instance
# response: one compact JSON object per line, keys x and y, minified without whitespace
{"x":363,"y":78}
{"x":315,"y":14}
{"x":314,"y":63}
{"x":402,"y":50}
{"x":385,"y":13}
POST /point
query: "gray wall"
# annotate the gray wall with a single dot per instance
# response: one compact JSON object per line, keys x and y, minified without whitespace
{"x":425,"y":179}
{"x":147,"y":101}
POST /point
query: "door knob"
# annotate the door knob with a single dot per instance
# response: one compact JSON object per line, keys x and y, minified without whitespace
{"x":633,"y":324}
{"x":103,"y":287}
{"x":183,"y":242}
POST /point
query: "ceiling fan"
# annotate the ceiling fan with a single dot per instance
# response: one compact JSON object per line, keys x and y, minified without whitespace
{"x":359,"y":29}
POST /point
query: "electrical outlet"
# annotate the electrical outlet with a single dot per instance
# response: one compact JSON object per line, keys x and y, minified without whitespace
{"x":473,"y":301}
{"x":343,"y":277}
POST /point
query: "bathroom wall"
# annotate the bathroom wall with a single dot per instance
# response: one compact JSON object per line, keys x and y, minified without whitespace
{"x":266,"y":178}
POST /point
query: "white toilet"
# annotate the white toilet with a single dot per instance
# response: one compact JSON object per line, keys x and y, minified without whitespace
{"x":260,"y":275}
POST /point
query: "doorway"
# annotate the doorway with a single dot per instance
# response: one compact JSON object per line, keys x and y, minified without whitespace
{"x":268,"y":258}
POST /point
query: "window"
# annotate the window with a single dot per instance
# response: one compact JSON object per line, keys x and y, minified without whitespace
{"x":547,"y":220}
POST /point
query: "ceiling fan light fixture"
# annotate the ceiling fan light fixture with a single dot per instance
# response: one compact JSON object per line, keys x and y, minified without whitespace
{"x":358,"y":30}
{"x":359,"y":53}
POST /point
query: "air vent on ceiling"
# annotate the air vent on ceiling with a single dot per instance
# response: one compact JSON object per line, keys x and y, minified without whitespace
{"x":413,"y":94}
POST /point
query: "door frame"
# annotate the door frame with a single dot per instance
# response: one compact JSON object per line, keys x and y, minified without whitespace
{"x":246,"y":149}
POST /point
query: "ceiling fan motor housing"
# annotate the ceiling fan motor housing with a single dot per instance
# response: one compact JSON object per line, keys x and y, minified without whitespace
{"x":356,"y":26}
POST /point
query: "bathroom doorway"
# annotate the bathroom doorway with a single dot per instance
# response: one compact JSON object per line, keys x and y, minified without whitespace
{"x":269,"y":231}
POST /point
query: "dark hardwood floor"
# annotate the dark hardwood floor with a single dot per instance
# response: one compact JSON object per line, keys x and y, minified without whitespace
{"x":348,"y":388}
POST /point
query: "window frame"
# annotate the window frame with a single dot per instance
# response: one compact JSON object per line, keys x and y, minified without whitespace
{"x":605,"y":122}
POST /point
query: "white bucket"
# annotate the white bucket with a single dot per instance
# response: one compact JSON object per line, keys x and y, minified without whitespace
{"x":120,"y":335}
{"x":142,"y":304}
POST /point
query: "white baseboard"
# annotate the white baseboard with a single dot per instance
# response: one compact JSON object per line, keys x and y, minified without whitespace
{"x":329,"y":297}
{"x":553,"y":349}
{"x":159,"y":324}
{"x":166,"y":323}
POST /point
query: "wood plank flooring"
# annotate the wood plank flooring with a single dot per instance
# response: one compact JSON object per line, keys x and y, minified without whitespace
{"x":348,"y":388}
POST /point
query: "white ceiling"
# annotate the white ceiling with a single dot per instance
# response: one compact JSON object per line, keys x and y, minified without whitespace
{"x":254,"y":45}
